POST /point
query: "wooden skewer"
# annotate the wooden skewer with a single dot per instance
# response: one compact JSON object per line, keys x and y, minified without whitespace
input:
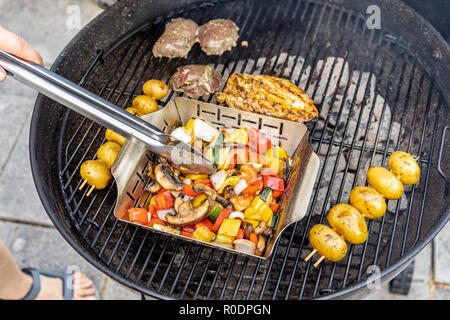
{"x":82,"y":185}
{"x":90,"y":191}
{"x":318,"y":261}
{"x":310,"y":255}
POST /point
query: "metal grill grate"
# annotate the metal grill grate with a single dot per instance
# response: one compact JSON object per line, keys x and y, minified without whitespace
{"x":374,"y":97}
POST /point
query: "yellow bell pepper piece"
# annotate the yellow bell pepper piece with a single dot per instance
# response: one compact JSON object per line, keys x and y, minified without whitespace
{"x":221,"y":238}
{"x":269,"y":157}
{"x":230,"y":181}
{"x":152,"y":201}
{"x":197,"y":176}
{"x":190,"y":127}
{"x":253,"y":222}
{"x":266,"y":215}
{"x":258,"y":204}
{"x":230,"y":227}
{"x":238,"y":136}
{"x":280,"y":152}
{"x":198,"y":200}
{"x":251,"y":213}
{"x":203,"y":234}
{"x":262,"y":209}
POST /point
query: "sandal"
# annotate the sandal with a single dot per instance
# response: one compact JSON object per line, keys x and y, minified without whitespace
{"x":36,"y":286}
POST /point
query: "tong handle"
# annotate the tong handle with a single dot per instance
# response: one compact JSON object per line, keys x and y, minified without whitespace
{"x":84,"y":102}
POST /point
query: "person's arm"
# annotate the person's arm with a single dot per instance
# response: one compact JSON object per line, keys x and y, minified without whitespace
{"x":11,"y":43}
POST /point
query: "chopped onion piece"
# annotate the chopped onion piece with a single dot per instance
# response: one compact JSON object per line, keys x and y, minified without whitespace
{"x":236,"y":215}
{"x":240,"y":186}
{"x":182,"y":135}
{"x":218,"y":178}
{"x":203,"y":130}
{"x":187,"y":181}
{"x":187,"y":198}
{"x":163,"y":213}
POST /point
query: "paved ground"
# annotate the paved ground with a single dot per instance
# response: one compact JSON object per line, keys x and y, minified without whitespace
{"x":24,"y":226}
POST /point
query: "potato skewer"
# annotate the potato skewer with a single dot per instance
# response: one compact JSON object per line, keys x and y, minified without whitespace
{"x":97,"y":173}
{"x":347,"y":221}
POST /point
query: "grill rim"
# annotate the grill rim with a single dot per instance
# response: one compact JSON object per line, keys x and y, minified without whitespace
{"x":43,"y":178}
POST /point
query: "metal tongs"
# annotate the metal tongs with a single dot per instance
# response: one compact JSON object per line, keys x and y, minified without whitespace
{"x":101,"y":111}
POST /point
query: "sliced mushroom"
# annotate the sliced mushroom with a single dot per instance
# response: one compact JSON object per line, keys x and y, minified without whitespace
{"x":186,"y":215}
{"x":228,"y":192}
{"x":211,"y":193}
{"x":261,"y":245}
{"x":167,"y":179}
{"x":245,"y":246}
{"x":153,"y":186}
{"x":267,"y":233}
{"x":248,"y":229}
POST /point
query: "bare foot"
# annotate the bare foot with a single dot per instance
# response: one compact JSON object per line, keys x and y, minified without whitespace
{"x":51,"y":288}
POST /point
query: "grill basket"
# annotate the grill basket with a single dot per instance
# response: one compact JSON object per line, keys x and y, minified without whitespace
{"x":131,"y":165}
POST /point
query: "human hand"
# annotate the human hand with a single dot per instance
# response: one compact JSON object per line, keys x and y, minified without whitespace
{"x":11,"y":43}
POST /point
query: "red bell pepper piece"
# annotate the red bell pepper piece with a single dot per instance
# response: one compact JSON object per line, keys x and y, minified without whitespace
{"x":222,"y":216}
{"x":254,"y":187}
{"x":139,"y":215}
{"x":257,"y":141}
{"x":169,"y":200}
{"x":187,"y":190}
{"x":164,"y":201}
{"x":160,"y":202}
{"x":275,"y":206}
{"x":274,"y":183}
{"x":206,"y":182}
{"x":205,"y":223}
{"x":188,"y":229}
{"x":276,"y":194}
{"x":186,"y":234}
{"x":240,"y":234}
{"x":155,"y":220}
{"x":254,"y":238}
{"x":153,"y":211}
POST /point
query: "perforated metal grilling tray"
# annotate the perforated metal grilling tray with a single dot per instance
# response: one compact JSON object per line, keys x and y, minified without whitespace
{"x":130,"y":167}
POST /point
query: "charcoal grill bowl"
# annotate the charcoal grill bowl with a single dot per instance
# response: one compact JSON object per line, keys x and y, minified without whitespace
{"x":49,"y":118}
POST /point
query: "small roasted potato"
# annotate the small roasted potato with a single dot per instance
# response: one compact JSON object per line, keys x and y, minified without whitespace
{"x":95,"y":173}
{"x":145,"y":104}
{"x":133,"y":111}
{"x":368,"y":201}
{"x":155,"y":88}
{"x":108,"y":152}
{"x":114,"y":136}
{"x":385,"y":182}
{"x":404,"y":167}
{"x":327,"y":242}
{"x":347,"y":221}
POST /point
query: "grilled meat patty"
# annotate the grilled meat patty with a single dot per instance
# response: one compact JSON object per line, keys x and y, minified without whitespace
{"x":196,"y":80}
{"x":268,"y":95}
{"x":177,"y":40}
{"x":217,"y":36}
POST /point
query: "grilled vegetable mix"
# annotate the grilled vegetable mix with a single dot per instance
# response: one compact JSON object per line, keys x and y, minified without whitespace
{"x":348,"y":222}
{"x":96,"y":172}
{"x":236,"y":207}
